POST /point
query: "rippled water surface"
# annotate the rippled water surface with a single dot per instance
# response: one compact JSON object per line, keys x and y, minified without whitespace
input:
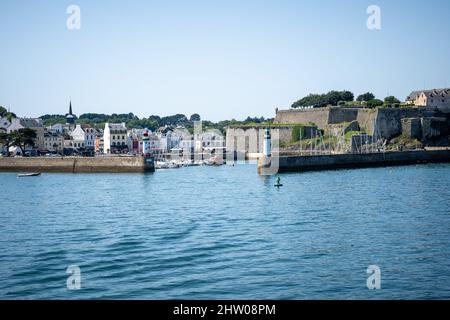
{"x":227,"y":233}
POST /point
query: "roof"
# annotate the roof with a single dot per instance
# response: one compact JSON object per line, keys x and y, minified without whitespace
{"x":164,"y":129}
{"x":30,"y":123}
{"x":117,"y":126}
{"x":429,"y":93}
{"x":52,"y":134}
{"x":413,"y":95}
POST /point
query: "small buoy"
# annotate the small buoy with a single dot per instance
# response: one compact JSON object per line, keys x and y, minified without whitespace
{"x":278,"y":184}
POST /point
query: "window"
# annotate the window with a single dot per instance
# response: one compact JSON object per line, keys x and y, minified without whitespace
{"x":114,"y":137}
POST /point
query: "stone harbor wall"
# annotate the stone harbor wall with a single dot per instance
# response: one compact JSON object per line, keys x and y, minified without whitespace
{"x":77,"y":164}
{"x":350,"y":161}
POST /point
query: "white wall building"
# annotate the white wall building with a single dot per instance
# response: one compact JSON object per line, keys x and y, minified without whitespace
{"x":57,"y":128}
{"x":210,"y":140}
{"x":115,"y":138}
{"x":83,"y":136}
{"x":182,"y":140}
{"x":53,"y":141}
{"x":168,"y":141}
{"x":4,"y":124}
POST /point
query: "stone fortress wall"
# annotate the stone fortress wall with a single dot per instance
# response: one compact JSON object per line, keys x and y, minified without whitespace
{"x":382,"y":122}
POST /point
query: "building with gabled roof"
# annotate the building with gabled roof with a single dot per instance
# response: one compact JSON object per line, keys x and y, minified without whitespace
{"x":434,"y":98}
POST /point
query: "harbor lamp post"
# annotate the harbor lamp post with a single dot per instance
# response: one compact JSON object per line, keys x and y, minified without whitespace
{"x":267,"y":143}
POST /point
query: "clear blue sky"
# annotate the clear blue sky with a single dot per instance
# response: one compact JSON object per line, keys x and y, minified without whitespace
{"x":221,"y":59}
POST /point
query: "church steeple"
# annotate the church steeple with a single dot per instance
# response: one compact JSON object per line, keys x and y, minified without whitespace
{"x":70,"y":117}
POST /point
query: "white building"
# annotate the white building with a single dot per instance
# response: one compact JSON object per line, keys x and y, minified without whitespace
{"x":4,"y":124}
{"x":136,"y":138}
{"x":115,"y":138}
{"x":168,"y":139}
{"x":184,"y":138}
{"x":209,"y":141}
{"x":434,"y":98}
{"x":83,"y":135}
{"x":53,"y":142}
{"x":57,"y":128}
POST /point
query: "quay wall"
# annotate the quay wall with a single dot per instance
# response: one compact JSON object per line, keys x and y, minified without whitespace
{"x":76,"y":164}
{"x":350,"y":161}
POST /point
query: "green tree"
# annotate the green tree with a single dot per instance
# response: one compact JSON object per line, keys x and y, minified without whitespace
{"x":23,"y":138}
{"x":312,"y":100}
{"x":4,"y":113}
{"x":347,"y":96}
{"x":391,"y":100}
{"x":195,"y":117}
{"x":5,"y":141}
{"x":51,"y":119}
{"x":365,"y":97}
{"x":374,"y":103}
{"x":322,"y":100}
{"x":333,"y":97}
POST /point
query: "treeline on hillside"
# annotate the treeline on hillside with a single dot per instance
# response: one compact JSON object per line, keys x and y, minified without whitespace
{"x":152,"y":122}
{"x":344,"y":98}
{"x":4,"y":113}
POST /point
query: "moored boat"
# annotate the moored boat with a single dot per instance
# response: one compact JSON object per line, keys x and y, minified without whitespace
{"x":31,"y":174}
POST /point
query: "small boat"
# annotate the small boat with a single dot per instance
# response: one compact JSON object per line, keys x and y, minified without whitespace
{"x":32,"y":174}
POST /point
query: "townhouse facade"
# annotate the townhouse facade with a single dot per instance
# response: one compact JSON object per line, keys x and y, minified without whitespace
{"x":434,"y":98}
